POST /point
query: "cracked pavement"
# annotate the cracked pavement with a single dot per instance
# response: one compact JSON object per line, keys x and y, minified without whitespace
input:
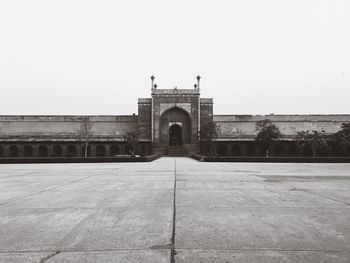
{"x":175,"y":210}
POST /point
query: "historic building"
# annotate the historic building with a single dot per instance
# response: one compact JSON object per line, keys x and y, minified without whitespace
{"x":169,"y":122}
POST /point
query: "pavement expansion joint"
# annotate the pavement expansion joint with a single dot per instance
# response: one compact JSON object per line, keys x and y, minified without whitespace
{"x":44,"y":190}
{"x":322,"y":196}
{"x":265,"y":249}
{"x":81,"y":250}
{"x":48,"y":257}
{"x":173,"y":252}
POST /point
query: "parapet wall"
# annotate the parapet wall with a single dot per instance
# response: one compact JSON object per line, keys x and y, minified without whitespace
{"x":242,"y":127}
{"x":64,"y":126}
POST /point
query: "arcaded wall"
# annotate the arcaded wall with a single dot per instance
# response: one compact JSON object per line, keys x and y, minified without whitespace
{"x":237,"y":127}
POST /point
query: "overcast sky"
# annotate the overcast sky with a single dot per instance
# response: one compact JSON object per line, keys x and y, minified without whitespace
{"x":96,"y":57}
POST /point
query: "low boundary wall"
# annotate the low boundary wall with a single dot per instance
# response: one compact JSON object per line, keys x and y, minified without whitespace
{"x":126,"y":159}
{"x":273,"y":159}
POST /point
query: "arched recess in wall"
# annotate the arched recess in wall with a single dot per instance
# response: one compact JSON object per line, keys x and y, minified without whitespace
{"x":251,"y":150}
{"x":279,"y":150}
{"x":323,"y":151}
{"x":1,"y":151}
{"x":261,"y":150}
{"x":57,"y":151}
{"x":43,"y":151}
{"x":178,"y":116}
{"x":28,"y":151}
{"x":347,"y":151}
{"x":71,"y":151}
{"x":236,"y":150}
{"x":14,"y":151}
{"x":100,"y":150}
{"x":115,"y":150}
{"x":293,"y":150}
{"x":307,"y":151}
{"x":335,"y":150}
{"x":222,"y":150}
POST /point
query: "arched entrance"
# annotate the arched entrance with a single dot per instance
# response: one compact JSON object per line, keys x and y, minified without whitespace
{"x":175,"y":135}
{"x":175,"y":127}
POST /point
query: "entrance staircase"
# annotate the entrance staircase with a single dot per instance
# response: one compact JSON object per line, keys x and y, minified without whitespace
{"x":176,"y":151}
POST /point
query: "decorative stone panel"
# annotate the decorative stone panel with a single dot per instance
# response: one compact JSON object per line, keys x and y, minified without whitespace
{"x":165,"y":106}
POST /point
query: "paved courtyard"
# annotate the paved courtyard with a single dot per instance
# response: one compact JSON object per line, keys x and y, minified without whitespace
{"x":223,"y":212}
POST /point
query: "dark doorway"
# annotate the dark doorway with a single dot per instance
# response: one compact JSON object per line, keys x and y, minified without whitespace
{"x":236,"y":150}
{"x":175,"y":135}
{"x":57,"y":151}
{"x":293,"y":150}
{"x":100,"y":150}
{"x":71,"y":151}
{"x":115,"y":150}
{"x":222,"y":150}
{"x":179,"y":117}
{"x":14,"y":151}
{"x":28,"y":151}
{"x":251,"y":150}
{"x":43,"y":151}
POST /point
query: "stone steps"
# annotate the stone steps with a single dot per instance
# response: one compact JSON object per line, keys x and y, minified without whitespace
{"x":160,"y":149}
{"x":185,"y":150}
{"x":177,"y":151}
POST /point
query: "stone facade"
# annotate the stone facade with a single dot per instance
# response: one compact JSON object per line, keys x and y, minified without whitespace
{"x":169,"y":117}
{"x":179,"y":101}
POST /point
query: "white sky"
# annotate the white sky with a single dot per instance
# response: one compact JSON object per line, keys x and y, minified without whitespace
{"x":96,"y":57}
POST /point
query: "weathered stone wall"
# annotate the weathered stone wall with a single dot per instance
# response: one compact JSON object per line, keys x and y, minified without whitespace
{"x":144,"y":119}
{"x":58,"y":126}
{"x":242,"y":127}
{"x":206,"y":111}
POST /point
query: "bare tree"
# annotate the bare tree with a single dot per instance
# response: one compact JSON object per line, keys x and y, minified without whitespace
{"x":85,"y":133}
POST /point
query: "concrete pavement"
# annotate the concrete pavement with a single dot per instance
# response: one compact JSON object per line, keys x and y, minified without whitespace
{"x":223,"y":212}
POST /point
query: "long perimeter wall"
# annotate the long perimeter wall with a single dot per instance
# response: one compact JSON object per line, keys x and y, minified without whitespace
{"x":242,"y":127}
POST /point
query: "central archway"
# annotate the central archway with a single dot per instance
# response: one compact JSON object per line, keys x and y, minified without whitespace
{"x":175,"y":127}
{"x":175,"y":135}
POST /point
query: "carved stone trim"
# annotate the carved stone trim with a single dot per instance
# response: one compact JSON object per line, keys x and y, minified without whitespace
{"x":165,"y":106}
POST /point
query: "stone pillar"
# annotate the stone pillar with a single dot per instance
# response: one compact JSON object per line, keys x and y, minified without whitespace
{"x":79,"y":149}
{"x":107,"y":150}
{"x":6,"y":150}
{"x":92,"y":150}
{"x":64,"y":149}
{"x":49,"y":150}
{"x":20,"y":150}
{"x":243,"y":150}
{"x":257,"y":150}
